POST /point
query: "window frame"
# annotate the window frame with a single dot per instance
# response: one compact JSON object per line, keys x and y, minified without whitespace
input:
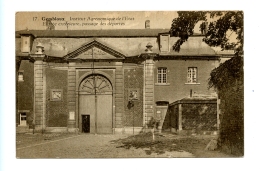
{"x":23,"y":118}
{"x":165,"y":37}
{"x":162,"y":76}
{"x":190,"y":75}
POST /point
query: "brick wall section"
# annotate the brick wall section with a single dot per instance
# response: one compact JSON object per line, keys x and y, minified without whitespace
{"x":57,"y":111}
{"x":98,"y":65}
{"x":119,"y":95}
{"x":72,"y":93}
{"x":149,"y":90}
{"x":133,"y":78}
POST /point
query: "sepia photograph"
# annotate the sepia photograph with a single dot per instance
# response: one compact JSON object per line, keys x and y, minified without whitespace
{"x":129,"y":84}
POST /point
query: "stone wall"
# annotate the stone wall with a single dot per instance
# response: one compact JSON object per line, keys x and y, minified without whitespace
{"x":192,"y":114}
{"x":199,"y":117}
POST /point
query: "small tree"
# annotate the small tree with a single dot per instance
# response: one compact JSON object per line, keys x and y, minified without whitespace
{"x":153,"y":124}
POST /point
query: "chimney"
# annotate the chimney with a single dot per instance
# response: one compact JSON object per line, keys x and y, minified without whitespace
{"x":147,"y":24}
{"x":204,"y":27}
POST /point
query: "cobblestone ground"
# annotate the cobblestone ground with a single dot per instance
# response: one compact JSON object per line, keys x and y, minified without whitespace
{"x":80,"y":146}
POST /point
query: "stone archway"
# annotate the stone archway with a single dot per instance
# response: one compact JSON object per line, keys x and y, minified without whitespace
{"x":95,"y":104}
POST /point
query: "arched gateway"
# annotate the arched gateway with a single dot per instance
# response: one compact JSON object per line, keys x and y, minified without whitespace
{"x":95,"y":104}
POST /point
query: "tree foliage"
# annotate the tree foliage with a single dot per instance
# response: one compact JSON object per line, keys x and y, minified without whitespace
{"x":227,"y":72}
{"x":183,"y":26}
{"x":220,"y":26}
{"x":228,"y":77}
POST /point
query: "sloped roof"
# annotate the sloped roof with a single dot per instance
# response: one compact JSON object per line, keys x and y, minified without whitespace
{"x":128,"y":42}
{"x":93,"y":33}
{"x":59,"y":47}
{"x":220,"y":51}
{"x":196,"y":99}
{"x":194,"y":46}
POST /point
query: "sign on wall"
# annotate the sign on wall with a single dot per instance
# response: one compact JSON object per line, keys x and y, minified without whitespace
{"x":133,"y":94}
{"x":72,"y":115}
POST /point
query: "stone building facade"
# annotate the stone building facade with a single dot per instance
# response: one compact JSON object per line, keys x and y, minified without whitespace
{"x":105,"y":81}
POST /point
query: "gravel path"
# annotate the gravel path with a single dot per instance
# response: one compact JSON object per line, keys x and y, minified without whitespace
{"x":84,"y":146}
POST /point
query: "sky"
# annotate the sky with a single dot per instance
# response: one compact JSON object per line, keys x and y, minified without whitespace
{"x":127,"y":20}
{"x":91,"y":20}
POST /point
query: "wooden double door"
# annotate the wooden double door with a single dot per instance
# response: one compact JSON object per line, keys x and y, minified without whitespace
{"x":95,"y":105}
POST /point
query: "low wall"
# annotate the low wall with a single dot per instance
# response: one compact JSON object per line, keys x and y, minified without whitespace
{"x":194,"y":114}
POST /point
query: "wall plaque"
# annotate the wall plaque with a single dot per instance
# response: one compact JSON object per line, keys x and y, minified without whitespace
{"x":72,"y":115}
{"x":133,"y":94}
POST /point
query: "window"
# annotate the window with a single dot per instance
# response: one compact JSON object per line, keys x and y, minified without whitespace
{"x":192,"y":75}
{"x":162,"y":75}
{"x":164,"y":43}
{"x":23,"y":121}
{"x":20,"y":76}
{"x":25,"y":44}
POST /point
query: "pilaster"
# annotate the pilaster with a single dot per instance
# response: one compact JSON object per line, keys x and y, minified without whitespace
{"x":119,"y":95}
{"x":180,"y":116}
{"x":149,"y":90}
{"x":39,"y":95}
{"x":72,"y":95}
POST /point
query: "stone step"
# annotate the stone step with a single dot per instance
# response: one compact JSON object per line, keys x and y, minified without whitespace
{"x":22,"y":129}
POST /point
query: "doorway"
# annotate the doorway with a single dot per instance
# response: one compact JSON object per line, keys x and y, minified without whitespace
{"x":86,"y":123}
{"x":95,"y":99}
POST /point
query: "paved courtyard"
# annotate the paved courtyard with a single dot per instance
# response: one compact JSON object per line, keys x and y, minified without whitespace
{"x":81,"y":146}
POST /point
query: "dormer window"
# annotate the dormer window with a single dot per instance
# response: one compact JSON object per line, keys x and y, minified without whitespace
{"x":25,"y":44}
{"x":164,"y":43}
